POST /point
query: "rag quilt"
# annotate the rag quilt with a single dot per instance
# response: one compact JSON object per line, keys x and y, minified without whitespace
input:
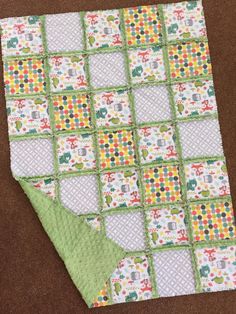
{"x":115,"y":139}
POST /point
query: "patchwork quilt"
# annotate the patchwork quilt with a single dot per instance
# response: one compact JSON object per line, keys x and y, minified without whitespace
{"x":115,"y":139}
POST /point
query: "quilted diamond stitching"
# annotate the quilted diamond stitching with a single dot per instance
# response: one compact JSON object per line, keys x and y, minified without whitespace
{"x":174,"y":274}
{"x":31,"y":157}
{"x":201,"y":138}
{"x":64,"y":32}
{"x":152,"y":104}
{"x":127,"y":230}
{"x":80,"y":194}
{"x":107,"y":69}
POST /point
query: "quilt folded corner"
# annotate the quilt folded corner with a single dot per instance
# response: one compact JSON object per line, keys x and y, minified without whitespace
{"x":89,"y":256}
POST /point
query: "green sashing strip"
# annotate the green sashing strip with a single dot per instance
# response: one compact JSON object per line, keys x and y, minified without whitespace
{"x":51,"y":109}
{"x":143,"y":208}
{"x":179,"y":150}
{"x":196,"y":273}
{"x":95,"y":142}
{"x":114,"y":88}
{"x":92,"y":51}
{"x":91,"y":130}
{"x":147,"y":252}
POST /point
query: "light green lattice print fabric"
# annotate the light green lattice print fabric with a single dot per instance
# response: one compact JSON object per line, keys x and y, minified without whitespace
{"x":115,"y":139}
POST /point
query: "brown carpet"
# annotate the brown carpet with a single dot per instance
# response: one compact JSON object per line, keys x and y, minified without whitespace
{"x":33,"y":279}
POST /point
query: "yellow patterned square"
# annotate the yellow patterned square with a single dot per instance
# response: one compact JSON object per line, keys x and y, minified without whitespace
{"x":212,"y":221}
{"x":24,"y":76}
{"x":103,"y":297}
{"x":142,"y":25}
{"x":71,"y":112}
{"x":116,"y":148}
{"x":189,"y":60}
{"x":162,"y":184}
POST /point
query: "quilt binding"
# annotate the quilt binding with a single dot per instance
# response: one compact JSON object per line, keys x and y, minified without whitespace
{"x":191,"y":246}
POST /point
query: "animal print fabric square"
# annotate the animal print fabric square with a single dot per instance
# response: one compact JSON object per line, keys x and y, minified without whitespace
{"x":112,"y":115}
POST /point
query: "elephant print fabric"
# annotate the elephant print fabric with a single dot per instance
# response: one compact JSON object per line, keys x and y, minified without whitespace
{"x":112,"y":117}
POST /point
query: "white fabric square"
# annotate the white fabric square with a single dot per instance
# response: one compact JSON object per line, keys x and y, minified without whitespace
{"x":152,"y":104}
{"x":80,"y":194}
{"x":31,"y":157}
{"x":174,"y":273}
{"x":64,"y":32}
{"x":107,"y":69}
{"x":201,"y":138}
{"x":127,"y":230}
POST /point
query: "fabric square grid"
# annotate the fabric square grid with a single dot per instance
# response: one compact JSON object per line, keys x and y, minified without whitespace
{"x":217,"y":267}
{"x":67,"y":73}
{"x":152,"y":104}
{"x":174,"y":273}
{"x":207,"y":179}
{"x":113,"y":116}
{"x":189,"y":59}
{"x":212,"y":221}
{"x":80,"y":194}
{"x":107,"y":70}
{"x":21,"y":36}
{"x":201,"y":138}
{"x":131,"y":280}
{"x":194,"y":98}
{"x":167,"y":226}
{"x":33,"y":157}
{"x":184,"y":20}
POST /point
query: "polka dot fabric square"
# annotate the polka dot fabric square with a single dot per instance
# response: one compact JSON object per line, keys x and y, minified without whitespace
{"x":24,"y":76}
{"x":212,"y":221}
{"x":189,"y":60}
{"x":142,"y":25}
{"x":71,"y":112}
{"x":116,"y":148}
{"x":161,"y":184}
